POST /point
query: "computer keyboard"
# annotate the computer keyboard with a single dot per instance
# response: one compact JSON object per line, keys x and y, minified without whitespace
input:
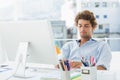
{"x":41,"y":69}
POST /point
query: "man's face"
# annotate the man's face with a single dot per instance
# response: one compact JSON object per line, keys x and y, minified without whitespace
{"x":85,"y":28}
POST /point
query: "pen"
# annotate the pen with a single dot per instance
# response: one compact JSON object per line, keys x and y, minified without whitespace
{"x":92,"y":61}
{"x":61,"y":64}
{"x":84,"y":63}
{"x":67,"y":64}
{"x":65,"y":67}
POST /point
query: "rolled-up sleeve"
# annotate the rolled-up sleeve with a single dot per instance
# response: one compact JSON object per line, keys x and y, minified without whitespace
{"x":105,"y":56}
{"x":65,"y":51}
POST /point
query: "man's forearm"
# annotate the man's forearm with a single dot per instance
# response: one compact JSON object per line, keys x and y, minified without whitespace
{"x":101,"y":68}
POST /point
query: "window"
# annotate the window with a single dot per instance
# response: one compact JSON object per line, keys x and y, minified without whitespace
{"x":97,"y":16}
{"x":97,"y":4}
{"x":84,"y":5}
{"x":100,"y":26}
{"x":104,"y":16}
{"x":104,"y":4}
{"x":115,"y":4}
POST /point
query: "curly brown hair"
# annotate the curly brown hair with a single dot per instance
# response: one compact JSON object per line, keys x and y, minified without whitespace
{"x":86,"y":15}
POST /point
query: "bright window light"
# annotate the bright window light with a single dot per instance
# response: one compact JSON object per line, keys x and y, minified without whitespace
{"x":4,"y":3}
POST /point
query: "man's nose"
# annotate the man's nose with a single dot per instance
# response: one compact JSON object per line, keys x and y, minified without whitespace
{"x":82,"y":28}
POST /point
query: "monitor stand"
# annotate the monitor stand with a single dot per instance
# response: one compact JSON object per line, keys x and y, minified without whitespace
{"x":21,"y":61}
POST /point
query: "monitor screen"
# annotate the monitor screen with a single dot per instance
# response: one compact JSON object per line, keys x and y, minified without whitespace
{"x":38,"y":33}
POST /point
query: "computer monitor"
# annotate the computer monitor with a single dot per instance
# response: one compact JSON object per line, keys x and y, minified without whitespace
{"x":38,"y":33}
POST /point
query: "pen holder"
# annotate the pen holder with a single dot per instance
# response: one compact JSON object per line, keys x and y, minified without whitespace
{"x":89,"y":73}
{"x":65,"y":75}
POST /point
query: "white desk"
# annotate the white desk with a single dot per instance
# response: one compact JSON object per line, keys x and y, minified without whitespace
{"x":36,"y":75}
{"x":108,"y":75}
{"x":49,"y":72}
{"x":101,"y":75}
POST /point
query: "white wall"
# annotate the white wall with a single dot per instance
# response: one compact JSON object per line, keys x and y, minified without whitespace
{"x":3,"y":54}
{"x":115,"y":62}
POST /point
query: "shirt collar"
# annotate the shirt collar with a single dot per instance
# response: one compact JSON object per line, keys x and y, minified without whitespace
{"x":78,"y":41}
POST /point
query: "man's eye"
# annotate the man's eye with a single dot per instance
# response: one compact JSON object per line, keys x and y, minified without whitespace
{"x":79,"y":26}
{"x":86,"y":26}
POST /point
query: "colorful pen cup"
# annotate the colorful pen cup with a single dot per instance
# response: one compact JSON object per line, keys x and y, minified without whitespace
{"x":89,"y":73}
{"x":65,"y":75}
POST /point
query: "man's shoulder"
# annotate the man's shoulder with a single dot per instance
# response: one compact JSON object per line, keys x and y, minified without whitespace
{"x":71,"y":43}
{"x":99,"y":42}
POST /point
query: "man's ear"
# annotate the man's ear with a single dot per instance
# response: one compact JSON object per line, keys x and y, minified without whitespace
{"x":94,"y":27}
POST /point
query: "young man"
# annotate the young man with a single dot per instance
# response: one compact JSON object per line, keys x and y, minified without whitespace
{"x":87,"y":47}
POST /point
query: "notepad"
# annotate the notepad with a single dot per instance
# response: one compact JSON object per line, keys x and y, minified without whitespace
{"x":75,"y":76}
{"x":48,"y":79}
{"x":4,"y":69}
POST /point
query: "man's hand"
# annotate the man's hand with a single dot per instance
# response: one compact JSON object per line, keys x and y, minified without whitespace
{"x":75,"y":64}
{"x":101,"y":68}
{"x":57,"y":66}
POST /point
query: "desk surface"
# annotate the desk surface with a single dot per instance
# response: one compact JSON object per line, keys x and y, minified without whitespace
{"x":43,"y":74}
